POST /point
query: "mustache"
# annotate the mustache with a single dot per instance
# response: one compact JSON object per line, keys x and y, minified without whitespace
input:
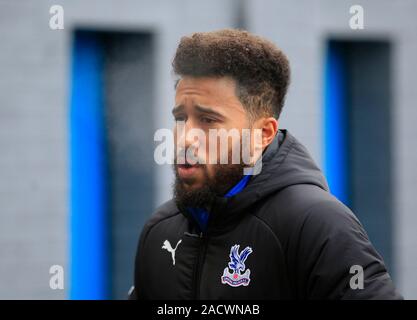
{"x":188,"y":156}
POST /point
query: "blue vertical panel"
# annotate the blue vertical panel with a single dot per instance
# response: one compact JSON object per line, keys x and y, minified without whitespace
{"x":88,"y":216}
{"x":336,"y":122}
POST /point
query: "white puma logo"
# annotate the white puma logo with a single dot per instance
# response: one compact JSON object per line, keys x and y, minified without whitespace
{"x":168,"y":247}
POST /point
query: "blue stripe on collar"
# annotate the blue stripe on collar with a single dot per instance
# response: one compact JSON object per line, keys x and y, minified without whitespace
{"x":201,"y":215}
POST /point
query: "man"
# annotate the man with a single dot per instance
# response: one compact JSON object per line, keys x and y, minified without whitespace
{"x":273,"y":234}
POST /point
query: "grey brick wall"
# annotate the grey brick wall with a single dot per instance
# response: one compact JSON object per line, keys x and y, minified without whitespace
{"x":33,"y":144}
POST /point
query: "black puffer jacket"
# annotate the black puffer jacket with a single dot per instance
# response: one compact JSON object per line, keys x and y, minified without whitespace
{"x":283,"y":237}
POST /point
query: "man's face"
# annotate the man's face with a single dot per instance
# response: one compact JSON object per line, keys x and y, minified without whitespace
{"x":208,"y":103}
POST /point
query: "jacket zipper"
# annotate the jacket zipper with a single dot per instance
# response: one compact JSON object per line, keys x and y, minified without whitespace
{"x":199,"y":264}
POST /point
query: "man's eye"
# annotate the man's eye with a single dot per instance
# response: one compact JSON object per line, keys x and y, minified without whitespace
{"x":207,"y":120}
{"x":179,"y":118}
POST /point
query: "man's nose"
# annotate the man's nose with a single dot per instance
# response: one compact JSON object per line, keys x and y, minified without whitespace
{"x":185,"y":130}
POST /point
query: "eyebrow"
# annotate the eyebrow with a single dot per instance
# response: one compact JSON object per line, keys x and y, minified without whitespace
{"x":177,"y":109}
{"x":200,"y":109}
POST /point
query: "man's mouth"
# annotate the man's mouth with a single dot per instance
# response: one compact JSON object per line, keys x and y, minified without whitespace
{"x":186,"y":171}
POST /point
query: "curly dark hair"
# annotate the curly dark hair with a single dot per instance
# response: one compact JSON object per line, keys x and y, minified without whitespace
{"x":261,"y":70}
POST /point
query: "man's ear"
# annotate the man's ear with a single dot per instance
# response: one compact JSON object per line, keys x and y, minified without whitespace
{"x":269,"y":128}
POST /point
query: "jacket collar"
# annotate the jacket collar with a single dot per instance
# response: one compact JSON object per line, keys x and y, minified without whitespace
{"x":285,"y":162}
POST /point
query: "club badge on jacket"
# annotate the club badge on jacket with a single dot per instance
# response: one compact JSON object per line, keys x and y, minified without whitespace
{"x":237,"y":264}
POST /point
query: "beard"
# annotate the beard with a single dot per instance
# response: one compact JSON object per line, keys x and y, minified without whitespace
{"x":225,"y":177}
